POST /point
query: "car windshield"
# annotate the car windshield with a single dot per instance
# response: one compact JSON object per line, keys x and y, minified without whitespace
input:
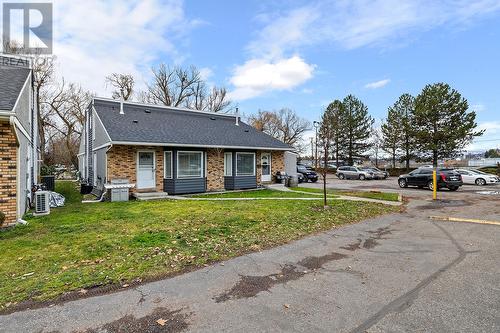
{"x":478,"y":172}
{"x":302,"y":168}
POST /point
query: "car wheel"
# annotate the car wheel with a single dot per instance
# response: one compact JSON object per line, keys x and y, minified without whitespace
{"x":341,"y":176}
{"x":480,"y":182}
{"x":430,"y":185}
{"x":453,"y":188}
{"x":305,"y":180}
{"x":362,"y":177}
{"x":402,"y":183}
{"x":314,"y":180}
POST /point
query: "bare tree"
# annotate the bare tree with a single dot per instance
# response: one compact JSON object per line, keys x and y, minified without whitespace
{"x":284,"y":125}
{"x":67,"y":105}
{"x":43,"y":72}
{"x":123,"y":84}
{"x":184,"y":87}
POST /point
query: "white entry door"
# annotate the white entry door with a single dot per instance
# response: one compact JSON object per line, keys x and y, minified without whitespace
{"x":265,"y":162}
{"x":146,"y":169}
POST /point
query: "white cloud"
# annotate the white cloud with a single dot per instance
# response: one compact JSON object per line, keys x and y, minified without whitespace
{"x":94,"y":38}
{"x":478,"y":107}
{"x":490,"y":138}
{"x":353,"y":24}
{"x":377,"y":84}
{"x":348,"y":24}
{"x":258,"y":76}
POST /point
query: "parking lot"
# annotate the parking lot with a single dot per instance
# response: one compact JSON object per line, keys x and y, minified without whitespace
{"x":391,"y":185}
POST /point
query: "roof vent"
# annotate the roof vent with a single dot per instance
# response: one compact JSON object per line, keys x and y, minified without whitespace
{"x":212,"y":118}
{"x":247,"y":131}
{"x":135,"y":121}
{"x":147,"y":111}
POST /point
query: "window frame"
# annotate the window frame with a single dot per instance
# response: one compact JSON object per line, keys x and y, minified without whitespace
{"x":165,"y":176}
{"x":201,"y":166}
{"x":230,"y":166}
{"x":245,"y":175}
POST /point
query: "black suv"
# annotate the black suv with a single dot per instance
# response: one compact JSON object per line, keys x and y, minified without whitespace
{"x":307,"y":173}
{"x":423,"y":178}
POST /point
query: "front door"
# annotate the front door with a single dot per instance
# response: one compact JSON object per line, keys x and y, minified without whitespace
{"x":265,"y":161}
{"x":146,"y":170}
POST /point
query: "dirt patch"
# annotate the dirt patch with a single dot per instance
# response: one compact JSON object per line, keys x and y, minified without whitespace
{"x":249,"y":286}
{"x":438,"y":204}
{"x":370,"y":243}
{"x":173,"y":321}
{"x":353,"y":246}
{"x":318,"y":262}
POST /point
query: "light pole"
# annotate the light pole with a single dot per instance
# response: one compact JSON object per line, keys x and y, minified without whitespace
{"x":316,"y":125}
{"x":312,"y":148}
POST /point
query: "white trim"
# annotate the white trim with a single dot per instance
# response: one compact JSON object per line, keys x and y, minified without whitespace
{"x":99,"y":118}
{"x":269,"y":176}
{"x":94,"y":168}
{"x":22,"y":129}
{"x":230,"y":166}
{"x":177,"y":164}
{"x":162,"y":144}
{"x":6,"y":113}
{"x":22,"y":89}
{"x":244,"y":153}
{"x":171,"y":164}
{"x":101,"y":146}
{"x":165,"y":107}
{"x":137,"y":168}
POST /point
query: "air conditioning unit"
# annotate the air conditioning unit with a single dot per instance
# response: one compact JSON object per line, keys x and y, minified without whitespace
{"x":42,"y":205}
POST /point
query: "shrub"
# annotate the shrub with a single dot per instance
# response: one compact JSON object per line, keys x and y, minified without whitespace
{"x":2,"y":218}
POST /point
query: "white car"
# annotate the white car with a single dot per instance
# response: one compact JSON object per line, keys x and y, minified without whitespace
{"x":477,"y":177}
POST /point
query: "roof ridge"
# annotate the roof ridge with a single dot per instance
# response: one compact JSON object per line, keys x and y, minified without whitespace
{"x":166,"y":107}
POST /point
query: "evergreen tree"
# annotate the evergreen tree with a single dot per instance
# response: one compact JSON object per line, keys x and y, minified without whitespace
{"x":405,"y":108}
{"x":334,"y":115}
{"x":392,"y":134}
{"x":357,"y":126}
{"x":442,"y":125}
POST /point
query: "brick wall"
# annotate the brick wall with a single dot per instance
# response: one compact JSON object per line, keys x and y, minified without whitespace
{"x":122,"y":163}
{"x":215,"y":169}
{"x":8,"y":173}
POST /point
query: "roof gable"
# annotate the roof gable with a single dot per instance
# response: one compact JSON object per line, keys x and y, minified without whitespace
{"x":12,"y":81}
{"x":142,"y":123}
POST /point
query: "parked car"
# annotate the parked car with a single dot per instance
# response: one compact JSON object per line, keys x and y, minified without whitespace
{"x":308,"y":174}
{"x":352,"y":172}
{"x":422,"y":177}
{"x":477,"y":177}
{"x":427,"y":166}
{"x":378,"y":174}
{"x":300,"y":177}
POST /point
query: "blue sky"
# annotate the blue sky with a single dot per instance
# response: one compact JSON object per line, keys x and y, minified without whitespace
{"x":296,"y":54}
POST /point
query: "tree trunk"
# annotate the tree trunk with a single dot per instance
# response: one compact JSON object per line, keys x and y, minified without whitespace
{"x":394,"y":158}
{"x":325,"y":172}
{"x":435,"y":158}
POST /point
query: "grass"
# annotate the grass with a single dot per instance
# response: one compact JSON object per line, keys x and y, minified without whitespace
{"x":266,"y":193}
{"x":87,"y":245}
{"x":387,"y":196}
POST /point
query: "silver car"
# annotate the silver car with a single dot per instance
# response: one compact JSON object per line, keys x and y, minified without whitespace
{"x":352,"y":172}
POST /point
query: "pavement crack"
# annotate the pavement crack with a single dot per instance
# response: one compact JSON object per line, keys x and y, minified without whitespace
{"x":406,"y":300}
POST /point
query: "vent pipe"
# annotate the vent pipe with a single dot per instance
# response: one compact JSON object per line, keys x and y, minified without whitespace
{"x":237,"y":115}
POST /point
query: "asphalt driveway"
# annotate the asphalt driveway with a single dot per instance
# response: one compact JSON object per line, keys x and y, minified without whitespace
{"x":397,"y":273}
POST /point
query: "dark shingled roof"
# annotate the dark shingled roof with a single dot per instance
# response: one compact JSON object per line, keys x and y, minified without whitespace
{"x":11,"y":83}
{"x":150,"y":124}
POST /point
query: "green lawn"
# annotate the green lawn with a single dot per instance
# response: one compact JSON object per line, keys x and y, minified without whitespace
{"x":363,"y":194}
{"x":87,"y":245}
{"x":266,"y":193}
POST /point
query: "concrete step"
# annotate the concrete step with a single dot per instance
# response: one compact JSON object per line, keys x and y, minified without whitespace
{"x":151,"y":196}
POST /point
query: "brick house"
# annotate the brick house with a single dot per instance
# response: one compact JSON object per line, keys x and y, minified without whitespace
{"x":18,"y":138}
{"x":174,"y":150}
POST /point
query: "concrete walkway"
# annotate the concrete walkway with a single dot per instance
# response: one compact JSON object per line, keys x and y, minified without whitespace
{"x":396,"y":273}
